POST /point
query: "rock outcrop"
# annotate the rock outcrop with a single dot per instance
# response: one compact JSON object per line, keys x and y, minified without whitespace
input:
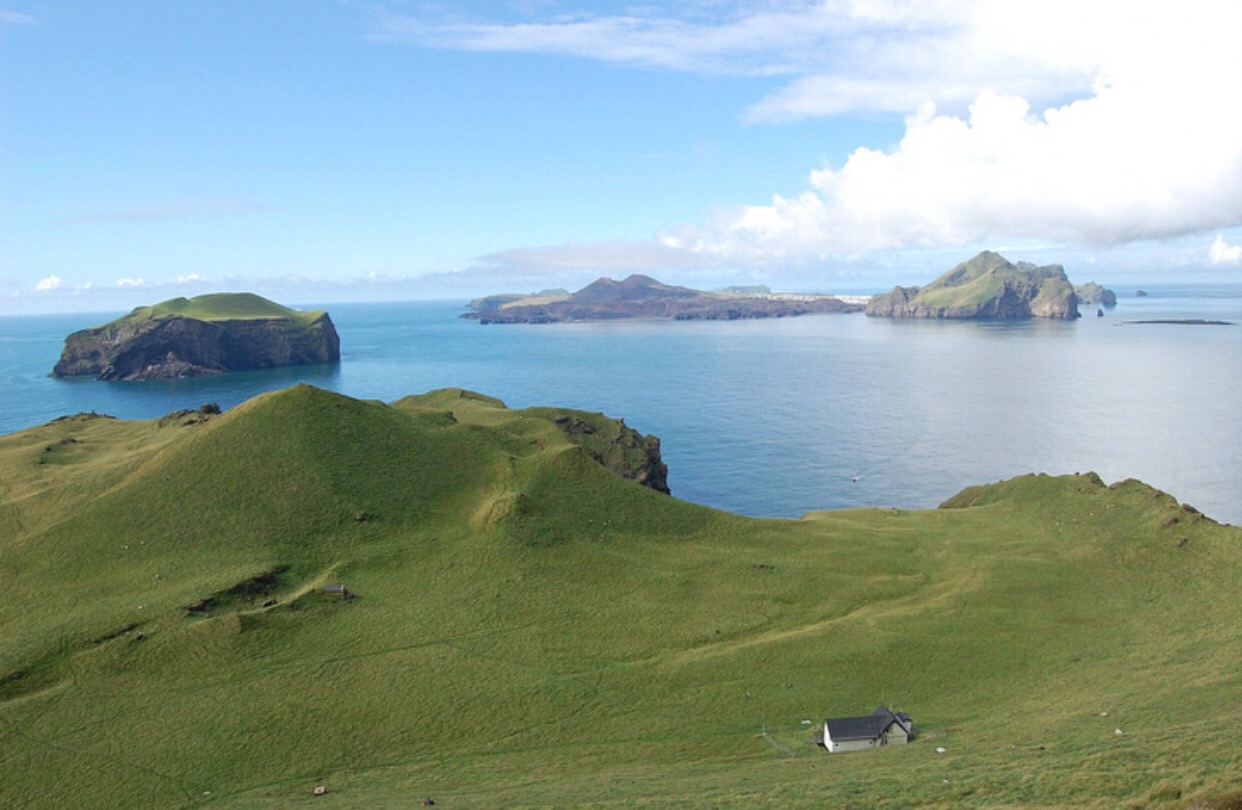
{"x":210,"y":334}
{"x":1092,"y":293}
{"x":988,"y":287}
{"x":620,"y":448}
{"x":639,"y":296}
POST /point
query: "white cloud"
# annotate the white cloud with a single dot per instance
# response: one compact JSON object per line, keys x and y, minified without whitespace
{"x":49,"y":283}
{"x":744,"y":44}
{"x":17,"y":18}
{"x":191,"y":277}
{"x":130,"y":282}
{"x":837,"y":55}
{"x":1099,"y":171}
{"x":1151,"y":153}
{"x":1221,"y":252}
{"x":1079,"y":122}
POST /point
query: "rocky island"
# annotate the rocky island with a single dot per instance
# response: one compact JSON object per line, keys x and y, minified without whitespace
{"x":640,"y":296}
{"x":1092,"y":293}
{"x":988,"y":287}
{"x":192,"y":337}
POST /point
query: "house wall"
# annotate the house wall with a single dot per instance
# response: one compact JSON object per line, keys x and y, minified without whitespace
{"x":838,"y":746}
{"x":896,"y":735}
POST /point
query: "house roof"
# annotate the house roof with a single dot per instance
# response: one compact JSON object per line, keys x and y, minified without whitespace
{"x":865,"y":728}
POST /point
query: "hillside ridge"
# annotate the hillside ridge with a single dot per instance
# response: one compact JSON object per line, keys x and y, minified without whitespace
{"x":442,"y":596}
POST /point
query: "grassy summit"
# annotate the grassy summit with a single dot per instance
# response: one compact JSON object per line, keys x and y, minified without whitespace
{"x":224,"y":307}
{"x":530,"y":629}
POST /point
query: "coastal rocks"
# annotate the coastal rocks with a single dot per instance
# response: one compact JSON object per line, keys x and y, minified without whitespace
{"x":988,"y":287}
{"x":195,"y":337}
{"x":619,"y":448}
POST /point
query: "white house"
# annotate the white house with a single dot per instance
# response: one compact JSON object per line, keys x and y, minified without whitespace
{"x":859,"y":733}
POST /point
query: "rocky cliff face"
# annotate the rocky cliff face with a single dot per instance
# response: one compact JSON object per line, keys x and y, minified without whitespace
{"x":160,"y":348}
{"x":988,"y":287}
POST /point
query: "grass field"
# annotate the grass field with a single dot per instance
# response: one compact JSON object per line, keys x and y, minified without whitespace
{"x":528,"y":629}
{"x":223,"y":307}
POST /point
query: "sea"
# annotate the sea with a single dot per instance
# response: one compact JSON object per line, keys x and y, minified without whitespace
{"x":781,"y":417}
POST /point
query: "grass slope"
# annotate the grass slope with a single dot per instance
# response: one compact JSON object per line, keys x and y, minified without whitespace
{"x":223,"y":307}
{"x":532,"y":630}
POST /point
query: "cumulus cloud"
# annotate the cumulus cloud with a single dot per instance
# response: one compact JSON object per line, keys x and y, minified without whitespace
{"x":130,"y":282}
{"x":189,"y":277}
{"x":49,"y":283}
{"x":1221,"y":252}
{"x":1096,"y":172}
{"x":1087,"y":122}
{"x":1150,"y":153}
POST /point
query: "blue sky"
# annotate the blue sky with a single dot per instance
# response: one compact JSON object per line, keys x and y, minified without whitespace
{"x":333,"y":150}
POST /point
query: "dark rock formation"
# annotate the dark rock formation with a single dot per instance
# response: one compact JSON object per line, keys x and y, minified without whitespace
{"x":619,"y":448}
{"x":207,"y":335}
{"x":640,"y":296}
{"x":988,"y":287}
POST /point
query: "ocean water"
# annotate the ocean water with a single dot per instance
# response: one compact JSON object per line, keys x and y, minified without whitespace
{"x":782,"y":417}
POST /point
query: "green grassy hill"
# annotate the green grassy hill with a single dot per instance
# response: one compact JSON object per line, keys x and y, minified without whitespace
{"x":528,"y":629}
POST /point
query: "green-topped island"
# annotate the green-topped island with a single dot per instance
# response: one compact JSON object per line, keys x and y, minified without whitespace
{"x":192,"y":337}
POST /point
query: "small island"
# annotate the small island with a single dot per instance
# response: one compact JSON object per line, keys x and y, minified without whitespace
{"x":640,"y":296}
{"x":1091,"y":294}
{"x":988,"y":287}
{"x":193,"y":337}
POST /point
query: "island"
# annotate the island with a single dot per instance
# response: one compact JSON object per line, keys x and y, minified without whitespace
{"x":1092,"y":294}
{"x":193,"y":337}
{"x":639,"y":296}
{"x":987,"y":287}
